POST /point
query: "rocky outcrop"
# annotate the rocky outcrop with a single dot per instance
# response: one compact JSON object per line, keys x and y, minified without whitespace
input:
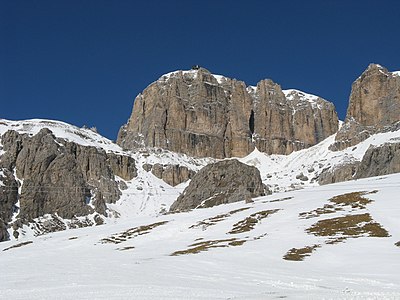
{"x":374,"y":107}
{"x":59,"y":177}
{"x":205,"y":115}
{"x":171,"y":174}
{"x":377,"y":161}
{"x":4,"y":236}
{"x":381,"y":160}
{"x":218,"y":183}
{"x":122,"y":166}
{"x":338,"y":173}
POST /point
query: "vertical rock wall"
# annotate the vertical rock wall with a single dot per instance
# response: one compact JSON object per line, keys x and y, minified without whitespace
{"x":374,"y":106}
{"x":205,"y":115}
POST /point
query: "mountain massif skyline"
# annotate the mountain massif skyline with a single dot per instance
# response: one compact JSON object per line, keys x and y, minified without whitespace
{"x":85,"y":62}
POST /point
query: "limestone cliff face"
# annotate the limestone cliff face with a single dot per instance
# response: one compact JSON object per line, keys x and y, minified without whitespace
{"x":374,"y":106}
{"x":191,"y":112}
{"x":205,"y":115}
{"x":171,"y":174}
{"x":290,"y":120}
{"x":58,"y":177}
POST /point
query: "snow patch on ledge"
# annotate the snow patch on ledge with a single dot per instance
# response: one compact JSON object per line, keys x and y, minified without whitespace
{"x":192,"y":74}
{"x":291,"y":94}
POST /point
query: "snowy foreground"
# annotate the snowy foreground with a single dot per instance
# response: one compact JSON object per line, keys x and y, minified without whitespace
{"x":233,"y":251}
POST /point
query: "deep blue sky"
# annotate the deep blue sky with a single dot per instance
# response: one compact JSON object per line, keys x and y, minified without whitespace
{"x":83,"y":62}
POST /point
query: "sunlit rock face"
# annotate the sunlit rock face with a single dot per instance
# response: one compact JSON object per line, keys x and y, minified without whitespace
{"x":205,"y":115}
{"x":374,"y":106}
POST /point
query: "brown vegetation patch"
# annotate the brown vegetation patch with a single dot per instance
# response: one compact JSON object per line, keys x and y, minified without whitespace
{"x":327,"y":209}
{"x":251,"y":221}
{"x":206,"y":245}
{"x":260,"y":236}
{"x":397,"y":244}
{"x":18,"y":245}
{"x":237,"y":243}
{"x":131,"y":233}
{"x":73,"y":238}
{"x":278,"y":200}
{"x":298,"y":254}
{"x":350,"y":226}
{"x":214,"y":220}
{"x":354,"y":200}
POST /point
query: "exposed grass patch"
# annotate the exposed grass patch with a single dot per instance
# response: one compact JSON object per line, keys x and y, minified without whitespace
{"x":72,"y":238}
{"x":18,"y":245}
{"x":339,"y":229}
{"x":354,"y":200}
{"x":206,"y":245}
{"x":298,"y":254}
{"x":232,"y":212}
{"x":348,"y":226}
{"x":131,"y":233}
{"x":259,"y":237}
{"x":278,"y":200}
{"x":251,"y":221}
{"x":337,"y":240}
{"x":397,"y":244}
{"x":327,"y":209}
{"x":214,"y":220}
{"x":237,"y":243}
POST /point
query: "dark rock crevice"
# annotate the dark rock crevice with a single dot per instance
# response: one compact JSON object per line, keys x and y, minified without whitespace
{"x":251,"y":122}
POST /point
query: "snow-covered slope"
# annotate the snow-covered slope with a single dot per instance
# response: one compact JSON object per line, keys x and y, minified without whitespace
{"x":149,"y":195}
{"x":82,"y":136}
{"x":233,"y":251}
{"x":280,"y":171}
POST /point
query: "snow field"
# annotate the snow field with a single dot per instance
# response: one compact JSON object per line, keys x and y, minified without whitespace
{"x":76,"y":264}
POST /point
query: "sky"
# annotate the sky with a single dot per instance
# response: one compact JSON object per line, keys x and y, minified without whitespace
{"x":83,"y":62}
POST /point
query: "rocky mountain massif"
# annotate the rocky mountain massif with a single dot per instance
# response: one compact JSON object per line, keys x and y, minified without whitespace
{"x":374,"y":106}
{"x":205,"y":115}
{"x":42,"y":174}
{"x":55,"y":176}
